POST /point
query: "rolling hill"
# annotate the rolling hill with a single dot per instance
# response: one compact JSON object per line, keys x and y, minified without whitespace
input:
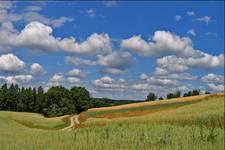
{"x":183,"y":123}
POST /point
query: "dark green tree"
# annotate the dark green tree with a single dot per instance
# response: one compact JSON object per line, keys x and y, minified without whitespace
{"x":3,"y":97}
{"x":80,"y":98}
{"x":151,"y":97}
{"x":161,"y":98}
{"x":58,"y":102}
{"x":207,"y":92}
{"x":173,"y":95}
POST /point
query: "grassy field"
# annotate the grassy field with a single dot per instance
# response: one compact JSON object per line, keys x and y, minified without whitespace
{"x":195,"y":123}
{"x":36,"y":121}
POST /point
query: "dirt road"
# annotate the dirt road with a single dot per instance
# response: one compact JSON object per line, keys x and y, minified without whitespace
{"x":73,"y":122}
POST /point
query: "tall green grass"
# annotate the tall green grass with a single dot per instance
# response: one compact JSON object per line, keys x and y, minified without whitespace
{"x":120,"y":136}
{"x":208,"y":112}
{"x":34,"y":120}
{"x":197,"y":126}
{"x":140,"y":108}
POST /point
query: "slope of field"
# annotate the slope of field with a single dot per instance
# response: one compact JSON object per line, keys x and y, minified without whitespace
{"x":143,"y":108}
{"x":198,"y":125}
{"x":197,"y":110}
{"x":33,"y":120}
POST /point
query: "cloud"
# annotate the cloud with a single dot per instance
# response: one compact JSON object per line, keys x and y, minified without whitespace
{"x":60,"y":21}
{"x":178,"y":64}
{"x":213,"y":78}
{"x":16,"y":79}
{"x":33,"y":8}
{"x":56,"y":78}
{"x":76,"y":73}
{"x":143,"y":76}
{"x":179,"y":76}
{"x":79,"y":61}
{"x":191,"y":32}
{"x":38,"y":36}
{"x":73,"y":80}
{"x":205,"y":19}
{"x":190,"y":13}
{"x":162,"y":82}
{"x":216,"y":88}
{"x":112,"y":71}
{"x":161,"y":71}
{"x":137,"y":44}
{"x":7,"y":14}
{"x":211,"y":34}
{"x":140,"y":86}
{"x":162,"y":41}
{"x":206,"y":61}
{"x":5,"y":4}
{"x":161,"y":87}
{"x":90,"y":13}
{"x":178,"y":18}
{"x":118,"y":60}
{"x":10,"y":62}
{"x":37,"y":69}
{"x":7,"y":36}
{"x":158,"y":80}
{"x":110,"y":3}
{"x":108,"y":84}
{"x":172,"y":63}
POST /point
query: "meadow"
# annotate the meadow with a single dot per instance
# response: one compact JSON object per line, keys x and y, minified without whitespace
{"x":195,"y":123}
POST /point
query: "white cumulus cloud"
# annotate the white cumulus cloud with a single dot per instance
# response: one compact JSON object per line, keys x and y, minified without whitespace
{"x":76,"y":73}
{"x":216,"y":88}
{"x":74,"y":80}
{"x":10,"y":62}
{"x":191,"y":32}
{"x":205,"y":19}
{"x":37,"y":69}
{"x":178,"y":18}
{"x":162,"y":41}
{"x":213,"y":78}
{"x":190,"y":13}
{"x":16,"y":79}
{"x":38,"y":36}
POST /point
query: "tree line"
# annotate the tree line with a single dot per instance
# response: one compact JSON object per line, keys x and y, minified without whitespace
{"x":152,"y":96}
{"x":56,"y":101}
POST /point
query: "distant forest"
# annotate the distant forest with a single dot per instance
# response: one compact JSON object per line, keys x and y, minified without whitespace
{"x":58,"y":101}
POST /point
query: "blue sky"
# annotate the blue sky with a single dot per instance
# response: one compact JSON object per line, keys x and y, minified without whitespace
{"x":120,"y":50}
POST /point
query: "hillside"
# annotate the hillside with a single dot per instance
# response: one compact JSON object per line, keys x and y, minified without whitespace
{"x":199,"y":121}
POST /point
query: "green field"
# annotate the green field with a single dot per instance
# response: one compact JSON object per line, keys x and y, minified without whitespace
{"x":197,"y":125}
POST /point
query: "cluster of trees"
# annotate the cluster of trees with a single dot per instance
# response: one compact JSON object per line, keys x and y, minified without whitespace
{"x":193,"y":93}
{"x":59,"y":101}
{"x":56,"y":101}
{"x":152,"y":96}
{"x":173,"y":95}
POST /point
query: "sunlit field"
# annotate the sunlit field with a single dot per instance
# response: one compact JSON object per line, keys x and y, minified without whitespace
{"x":197,"y":125}
{"x":111,"y":75}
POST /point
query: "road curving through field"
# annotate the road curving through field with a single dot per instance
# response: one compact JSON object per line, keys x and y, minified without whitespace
{"x":73,"y":122}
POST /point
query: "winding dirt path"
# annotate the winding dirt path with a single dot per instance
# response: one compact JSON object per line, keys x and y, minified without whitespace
{"x":73,"y":122}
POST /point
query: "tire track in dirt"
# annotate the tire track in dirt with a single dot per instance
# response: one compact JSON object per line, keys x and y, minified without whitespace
{"x":73,"y":122}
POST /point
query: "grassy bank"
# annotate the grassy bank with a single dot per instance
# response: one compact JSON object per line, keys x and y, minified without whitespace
{"x":199,"y":125}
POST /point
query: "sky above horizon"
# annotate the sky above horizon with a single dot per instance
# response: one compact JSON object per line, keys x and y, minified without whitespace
{"x":116,"y":49}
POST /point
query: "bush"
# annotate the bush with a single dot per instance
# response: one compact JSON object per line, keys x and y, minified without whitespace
{"x":151,"y":97}
{"x":173,"y":95}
